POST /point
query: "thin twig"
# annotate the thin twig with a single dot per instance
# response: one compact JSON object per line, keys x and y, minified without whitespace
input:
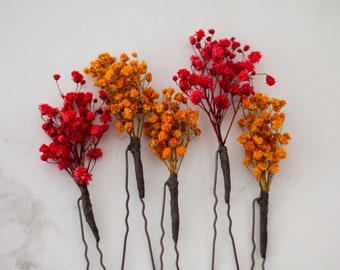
{"x":177,"y":256}
{"x":162,"y":227}
{"x":147,"y":233}
{"x":253,"y":235}
{"x":83,"y":235}
{"x":101,"y":256}
{"x":232,"y":237}
{"x":215,"y":213}
{"x":127,"y":207}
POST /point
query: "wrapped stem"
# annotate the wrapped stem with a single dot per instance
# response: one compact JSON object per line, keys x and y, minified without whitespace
{"x":224,"y":158}
{"x":263,"y":202}
{"x":134,"y":148}
{"x":87,"y":209}
{"x":172,"y":184}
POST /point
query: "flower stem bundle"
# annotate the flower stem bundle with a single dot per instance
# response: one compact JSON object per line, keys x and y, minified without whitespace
{"x":75,"y":134}
{"x":263,"y":142}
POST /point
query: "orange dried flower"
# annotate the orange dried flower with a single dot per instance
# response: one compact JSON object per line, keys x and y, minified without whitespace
{"x":262,"y":140}
{"x":126,"y":84}
{"x":171,"y":128}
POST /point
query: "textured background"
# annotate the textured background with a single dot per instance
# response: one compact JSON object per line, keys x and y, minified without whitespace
{"x":39,"y":226}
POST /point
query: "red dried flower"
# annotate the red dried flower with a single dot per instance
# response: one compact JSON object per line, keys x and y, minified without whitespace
{"x":97,"y":131}
{"x":221,"y":74}
{"x":200,"y":34}
{"x":192,"y":40}
{"x":254,"y":57}
{"x":74,"y":133}
{"x":46,"y":109}
{"x":102,"y":94}
{"x":56,"y":77}
{"x":196,"y":96}
{"x":246,"y":48}
{"x":82,"y":176}
{"x":243,"y":75}
{"x":270,"y":80}
{"x":221,"y":102}
{"x":95,"y":153}
{"x":211,"y":31}
{"x":77,"y":77}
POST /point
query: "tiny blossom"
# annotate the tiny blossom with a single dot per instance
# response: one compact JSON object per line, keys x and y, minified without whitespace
{"x":56,"y":77}
{"x":77,"y":77}
{"x":82,"y":176}
{"x":95,"y":153}
{"x":270,"y":80}
{"x":221,"y":102}
{"x":196,"y":96}
{"x":46,"y":109}
{"x":243,"y":75}
{"x":254,"y":57}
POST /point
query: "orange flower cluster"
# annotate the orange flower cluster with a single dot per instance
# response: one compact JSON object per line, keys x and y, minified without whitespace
{"x":263,"y":139}
{"x":171,"y":129}
{"x":126,"y":84}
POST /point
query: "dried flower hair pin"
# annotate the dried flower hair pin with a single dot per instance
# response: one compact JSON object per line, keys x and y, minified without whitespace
{"x":170,"y":129}
{"x":263,"y":142}
{"x":129,"y":98}
{"x":76,"y":130}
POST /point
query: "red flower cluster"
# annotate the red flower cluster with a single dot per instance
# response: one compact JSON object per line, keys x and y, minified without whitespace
{"x":221,"y":73}
{"x":75,"y":136}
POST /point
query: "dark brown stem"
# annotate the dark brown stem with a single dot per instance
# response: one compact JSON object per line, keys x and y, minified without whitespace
{"x":232,"y":237}
{"x":147,"y":234}
{"x":215,"y":214}
{"x":162,"y":227}
{"x":253,"y":234}
{"x":88,"y":212}
{"x":172,"y":184}
{"x":83,"y":235}
{"x":127,"y":208}
{"x":224,"y":158}
{"x":177,"y":256}
{"x":134,"y":148}
{"x":263,"y":202}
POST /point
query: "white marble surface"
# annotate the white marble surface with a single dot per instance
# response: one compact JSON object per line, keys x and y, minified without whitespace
{"x":39,"y":226}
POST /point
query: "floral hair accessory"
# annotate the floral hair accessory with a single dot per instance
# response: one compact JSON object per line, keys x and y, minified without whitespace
{"x":125,"y":84}
{"x":75,"y":130}
{"x":263,"y":142}
{"x":221,"y":73}
{"x":170,"y":129}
